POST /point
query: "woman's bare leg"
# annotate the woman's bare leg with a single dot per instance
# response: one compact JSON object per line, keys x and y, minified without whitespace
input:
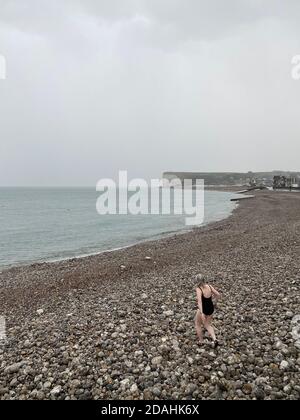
{"x":209,"y":328}
{"x":198,"y":326}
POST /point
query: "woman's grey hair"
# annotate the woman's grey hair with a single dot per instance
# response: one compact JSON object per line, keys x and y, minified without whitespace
{"x":201,"y":280}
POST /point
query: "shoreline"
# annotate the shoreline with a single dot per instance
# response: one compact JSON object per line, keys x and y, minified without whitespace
{"x":119,"y":325}
{"x":152,"y":242}
{"x":157,"y":237}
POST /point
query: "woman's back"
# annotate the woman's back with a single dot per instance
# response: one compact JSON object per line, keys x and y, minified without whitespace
{"x":206,"y":291}
{"x":206,"y":297}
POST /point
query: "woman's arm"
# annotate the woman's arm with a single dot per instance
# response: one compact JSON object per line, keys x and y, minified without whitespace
{"x":215,"y":293}
{"x":199,"y":298}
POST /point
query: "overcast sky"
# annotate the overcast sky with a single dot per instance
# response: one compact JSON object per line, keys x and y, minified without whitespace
{"x":96,"y":86}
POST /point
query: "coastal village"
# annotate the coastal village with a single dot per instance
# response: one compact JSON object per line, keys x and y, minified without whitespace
{"x":276,"y":180}
{"x":283,"y":182}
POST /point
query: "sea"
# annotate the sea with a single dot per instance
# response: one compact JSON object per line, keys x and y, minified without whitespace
{"x":52,"y":224}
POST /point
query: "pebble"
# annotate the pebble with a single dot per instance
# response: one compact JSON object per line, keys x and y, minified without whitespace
{"x":284,"y":365}
{"x":56,"y":391}
{"x":13,"y":368}
{"x":156,"y":360}
{"x":134,"y":388}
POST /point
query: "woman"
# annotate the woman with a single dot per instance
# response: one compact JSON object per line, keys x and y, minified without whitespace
{"x":204,"y":315}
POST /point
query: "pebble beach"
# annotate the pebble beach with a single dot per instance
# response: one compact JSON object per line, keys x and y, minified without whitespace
{"x":120,"y":325}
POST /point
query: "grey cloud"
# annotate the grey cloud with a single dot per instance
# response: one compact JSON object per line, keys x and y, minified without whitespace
{"x":196,"y":19}
{"x":98,"y":86}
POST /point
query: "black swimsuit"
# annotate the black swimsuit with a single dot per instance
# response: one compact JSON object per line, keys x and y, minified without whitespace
{"x":207,"y":304}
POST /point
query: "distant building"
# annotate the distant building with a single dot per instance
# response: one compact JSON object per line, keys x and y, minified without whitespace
{"x":285,"y":182}
{"x":254,"y":179}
